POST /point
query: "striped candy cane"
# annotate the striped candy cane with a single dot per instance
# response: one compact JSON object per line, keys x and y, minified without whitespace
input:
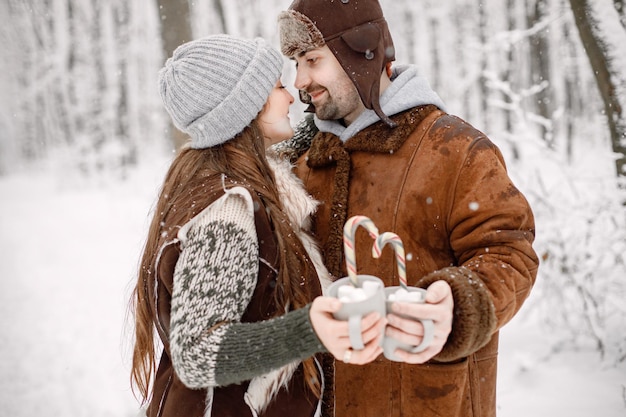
{"x":398,"y":247}
{"x":349,"y":233}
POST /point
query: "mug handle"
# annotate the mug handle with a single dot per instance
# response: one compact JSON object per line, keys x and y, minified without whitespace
{"x":354,"y":332}
{"x":429,"y":333}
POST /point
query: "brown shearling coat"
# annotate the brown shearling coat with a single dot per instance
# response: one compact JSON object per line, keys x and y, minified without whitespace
{"x":442,"y":186}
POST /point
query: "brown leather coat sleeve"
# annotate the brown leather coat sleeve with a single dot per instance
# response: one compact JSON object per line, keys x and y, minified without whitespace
{"x":491,"y":229}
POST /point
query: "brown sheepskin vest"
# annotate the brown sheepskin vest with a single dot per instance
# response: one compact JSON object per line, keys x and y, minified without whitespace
{"x":171,"y":398}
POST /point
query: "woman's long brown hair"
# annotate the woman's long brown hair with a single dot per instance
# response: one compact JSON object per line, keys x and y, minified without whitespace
{"x":182,"y":197}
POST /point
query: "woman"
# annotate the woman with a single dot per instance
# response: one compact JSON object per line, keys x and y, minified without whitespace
{"x":229,"y":278}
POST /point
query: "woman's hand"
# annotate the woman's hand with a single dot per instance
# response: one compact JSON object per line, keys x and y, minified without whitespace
{"x":334,"y":333}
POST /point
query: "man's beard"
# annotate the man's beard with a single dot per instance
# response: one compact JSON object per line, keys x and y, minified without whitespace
{"x":338,"y":105}
{"x":328,"y":111}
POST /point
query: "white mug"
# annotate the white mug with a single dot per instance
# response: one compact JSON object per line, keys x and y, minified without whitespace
{"x":390,"y":344}
{"x":353,"y":311}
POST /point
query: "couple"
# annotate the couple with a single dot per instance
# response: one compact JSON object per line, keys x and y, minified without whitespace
{"x":231,"y":279}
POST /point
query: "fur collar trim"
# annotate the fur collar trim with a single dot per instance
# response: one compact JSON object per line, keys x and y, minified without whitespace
{"x":327,"y":149}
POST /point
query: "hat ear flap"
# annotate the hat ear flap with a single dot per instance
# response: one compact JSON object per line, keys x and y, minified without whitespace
{"x":363,"y":38}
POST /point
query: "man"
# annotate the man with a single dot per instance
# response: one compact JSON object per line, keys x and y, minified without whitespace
{"x":387,"y":150}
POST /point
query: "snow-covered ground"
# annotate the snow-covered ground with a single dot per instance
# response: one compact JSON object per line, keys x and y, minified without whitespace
{"x":69,"y":250}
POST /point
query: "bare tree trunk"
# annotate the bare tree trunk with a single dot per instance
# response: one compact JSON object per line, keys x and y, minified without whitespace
{"x":409,"y":23}
{"x":484,"y":91}
{"x":462,"y":14}
{"x":540,"y":64}
{"x":507,"y":71}
{"x":606,"y":76}
{"x":433,"y":24}
{"x":572,"y":101}
{"x":175,"y":30}
{"x":94,"y":119}
{"x":122,"y":111}
{"x":219,"y":11}
{"x":620,"y":6}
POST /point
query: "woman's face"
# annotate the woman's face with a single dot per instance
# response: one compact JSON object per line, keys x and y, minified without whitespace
{"x":274,"y":118}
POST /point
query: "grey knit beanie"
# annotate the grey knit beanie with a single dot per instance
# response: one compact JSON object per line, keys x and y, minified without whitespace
{"x":215,"y":86}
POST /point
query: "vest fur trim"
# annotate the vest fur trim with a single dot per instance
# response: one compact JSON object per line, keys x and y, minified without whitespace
{"x":299,"y":206}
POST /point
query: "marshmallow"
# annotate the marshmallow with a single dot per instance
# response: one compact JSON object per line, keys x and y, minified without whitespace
{"x":350,"y":294}
{"x":406,"y":296}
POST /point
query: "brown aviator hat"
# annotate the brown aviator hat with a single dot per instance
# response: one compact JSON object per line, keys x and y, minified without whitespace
{"x":354,"y":30}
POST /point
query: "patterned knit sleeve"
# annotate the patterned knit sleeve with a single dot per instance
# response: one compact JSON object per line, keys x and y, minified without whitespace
{"x":214,"y":280}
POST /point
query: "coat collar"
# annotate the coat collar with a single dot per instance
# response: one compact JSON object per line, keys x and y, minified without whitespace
{"x":327,"y":149}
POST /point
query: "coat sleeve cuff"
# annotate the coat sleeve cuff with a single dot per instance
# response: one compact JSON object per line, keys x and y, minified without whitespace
{"x":474,"y":317}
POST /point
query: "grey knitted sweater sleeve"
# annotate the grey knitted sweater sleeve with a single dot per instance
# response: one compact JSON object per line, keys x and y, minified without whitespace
{"x":214,"y":280}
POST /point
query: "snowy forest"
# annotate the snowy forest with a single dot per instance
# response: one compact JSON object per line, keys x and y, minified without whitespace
{"x":544,"y":79}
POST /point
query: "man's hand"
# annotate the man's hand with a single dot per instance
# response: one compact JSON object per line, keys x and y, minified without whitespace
{"x":438,"y":307}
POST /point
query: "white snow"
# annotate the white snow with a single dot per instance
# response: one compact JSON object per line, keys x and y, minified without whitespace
{"x":69,"y":255}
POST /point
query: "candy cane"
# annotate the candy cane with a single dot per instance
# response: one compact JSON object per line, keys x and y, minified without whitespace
{"x":398,"y":247}
{"x":349,"y":232}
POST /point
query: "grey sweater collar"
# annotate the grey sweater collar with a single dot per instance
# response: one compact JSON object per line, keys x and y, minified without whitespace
{"x":407,"y":90}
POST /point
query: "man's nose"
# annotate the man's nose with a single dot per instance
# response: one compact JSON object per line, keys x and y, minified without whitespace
{"x":302,"y":80}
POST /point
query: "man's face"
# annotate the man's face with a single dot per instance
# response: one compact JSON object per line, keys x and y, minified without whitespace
{"x":332,"y":93}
